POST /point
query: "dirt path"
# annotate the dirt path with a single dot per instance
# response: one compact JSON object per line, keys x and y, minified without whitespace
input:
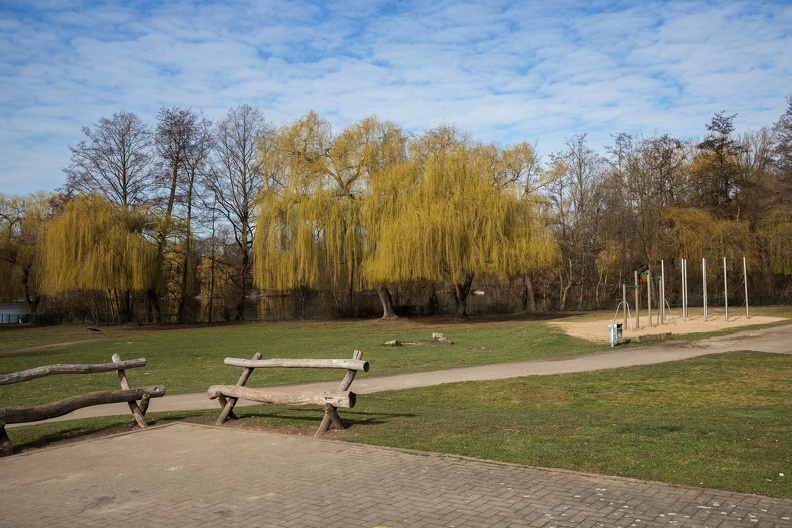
{"x":40,"y":347}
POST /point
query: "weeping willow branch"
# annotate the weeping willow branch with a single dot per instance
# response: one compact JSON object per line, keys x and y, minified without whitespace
{"x":95,"y":245}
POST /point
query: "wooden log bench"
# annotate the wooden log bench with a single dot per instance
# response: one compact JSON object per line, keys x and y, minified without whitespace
{"x":228,"y":395}
{"x":138,"y":399}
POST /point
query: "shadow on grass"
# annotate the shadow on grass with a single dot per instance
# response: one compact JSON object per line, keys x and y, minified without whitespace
{"x":282,"y":420}
{"x":294,"y":417}
{"x":493,"y":318}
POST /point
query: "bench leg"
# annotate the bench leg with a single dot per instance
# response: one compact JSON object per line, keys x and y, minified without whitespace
{"x":5,"y":443}
{"x":330,"y":418}
{"x":331,"y":414}
{"x":228,"y":409}
{"x":223,"y":402}
{"x":228,"y":404}
{"x":144,"y":403}
{"x":138,"y":412}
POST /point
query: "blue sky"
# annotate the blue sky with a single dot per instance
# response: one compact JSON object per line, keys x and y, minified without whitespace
{"x":504,"y":71}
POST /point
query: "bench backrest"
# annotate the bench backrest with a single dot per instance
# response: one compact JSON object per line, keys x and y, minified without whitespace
{"x":346,"y":364}
{"x":51,"y":370}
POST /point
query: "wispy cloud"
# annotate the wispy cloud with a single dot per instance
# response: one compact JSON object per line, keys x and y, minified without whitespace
{"x":504,"y":71}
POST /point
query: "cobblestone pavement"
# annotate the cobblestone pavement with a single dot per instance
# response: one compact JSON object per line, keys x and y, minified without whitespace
{"x":190,"y":475}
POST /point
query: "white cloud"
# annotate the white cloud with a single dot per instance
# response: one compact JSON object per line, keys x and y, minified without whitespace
{"x":504,"y":71}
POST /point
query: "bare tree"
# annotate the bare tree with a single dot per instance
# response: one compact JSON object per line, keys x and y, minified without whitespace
{"x":235,"y":179}
{"x":578,"y":200}
{"x":183,"y":144}
{"x":783,"y":146}
{"x":115,"y":160}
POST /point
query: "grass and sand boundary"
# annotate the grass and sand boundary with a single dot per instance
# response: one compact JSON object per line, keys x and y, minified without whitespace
{"x":675,"y":325}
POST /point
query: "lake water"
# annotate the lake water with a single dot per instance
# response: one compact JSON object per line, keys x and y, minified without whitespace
{"x":10,"y":312}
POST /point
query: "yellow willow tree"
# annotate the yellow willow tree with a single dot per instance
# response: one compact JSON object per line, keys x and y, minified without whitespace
{"x":379,"y":148}
{"x":97,"y":246}
{"x":693,"y":233}
{"x":22,"y":219}
{"x":776,"y":234}
{"x":517,"y":166}
{"x":311,"y":231}
{"x":289,"y":235}
{"x":449,"y":218}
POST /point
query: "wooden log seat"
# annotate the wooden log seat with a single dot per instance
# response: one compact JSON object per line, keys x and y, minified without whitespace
{"x":228,"y":395}
{"x":138,"y":399}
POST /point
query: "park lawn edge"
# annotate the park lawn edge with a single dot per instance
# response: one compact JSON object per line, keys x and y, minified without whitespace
{"x":445,"y":433}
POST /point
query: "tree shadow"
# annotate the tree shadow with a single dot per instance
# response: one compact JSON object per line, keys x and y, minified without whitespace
{"x":295,"y":416}
{"x":284,"y":420}
{"x":526,"y":317}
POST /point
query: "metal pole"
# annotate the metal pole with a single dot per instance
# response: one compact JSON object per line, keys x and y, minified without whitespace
{"x":725,"y":290}
{"x":745,"y":280}
{"x":684,"y":290}
{"x":649,"y":294}
{"x":704,"y":281}
{"x":624,"y":300}
{"x":637,"y":304}
{"x":662,"y":292}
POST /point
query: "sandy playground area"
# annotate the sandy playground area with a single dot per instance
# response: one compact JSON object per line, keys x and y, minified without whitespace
{"x":598,"y":330}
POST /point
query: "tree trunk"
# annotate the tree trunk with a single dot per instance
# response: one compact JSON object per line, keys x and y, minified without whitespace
{"x":767,"y":278}
{"x":243,"y":278}
{"x":183,"y":294}
{"x":154,"y":305}
{"x":185,"y":272}
{"x":162,"y":242}
{"x":210,"y":307}
{"x":530,"y":295}
{"x":31,"y":300}
{"x":243,"y":287}
{"x":387,"y":303}
{"x":434,"y":302}
{"x":565,"y":288}
{"x":461,"y":292}
{"x":602,"y":283}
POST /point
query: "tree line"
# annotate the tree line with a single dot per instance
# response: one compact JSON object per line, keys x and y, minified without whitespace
{"x":191,"y":220}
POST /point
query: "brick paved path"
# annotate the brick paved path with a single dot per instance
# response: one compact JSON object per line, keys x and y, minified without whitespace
{"x":189,"y":475}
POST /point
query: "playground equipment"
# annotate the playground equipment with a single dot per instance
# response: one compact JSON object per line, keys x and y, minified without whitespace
{"x":625,"y":307}
{"x":663,"y":306}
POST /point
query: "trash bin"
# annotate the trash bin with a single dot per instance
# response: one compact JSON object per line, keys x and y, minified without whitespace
{"x":615,"y":334}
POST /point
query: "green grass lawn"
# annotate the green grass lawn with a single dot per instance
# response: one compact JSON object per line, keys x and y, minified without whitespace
{"x":720,"y":421}
{"x":190,"y":359}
